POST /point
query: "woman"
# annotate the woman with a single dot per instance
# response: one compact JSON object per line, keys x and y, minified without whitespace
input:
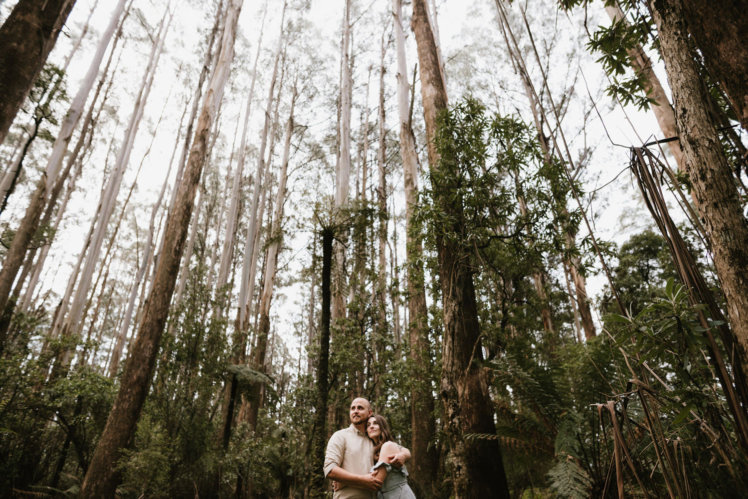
{"x":394,"y":480}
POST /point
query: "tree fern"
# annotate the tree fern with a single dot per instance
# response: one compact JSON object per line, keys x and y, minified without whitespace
{"x":569,"y":480}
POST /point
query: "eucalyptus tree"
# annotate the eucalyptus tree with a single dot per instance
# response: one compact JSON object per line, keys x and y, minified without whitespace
{"x":714,"y":190}
{"x":27,"y":37}
{"x":145,"y":263}
{"x":553,"y":172}
{"x":659,"y":102}
{"x":68,"y":321}
{"x":229,"y":241}
{"x":423,"y":427}
{"x":475,"y":466}
{"x":240,"y":337}
{"x":101,"y":477}
{"x":381,"y":203}
{"x":343,"y":163}
{"x":275,"y":241}
{"x":74,"y":164}
{"x":247,"y":283}
{"x":46,"y":185}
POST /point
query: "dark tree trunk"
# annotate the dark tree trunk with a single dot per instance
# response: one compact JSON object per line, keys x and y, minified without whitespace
{"x":318,"y":444}
{"x":101,"y":478}
{"x":720,"y":29}
{"x":475,"y":465}
{"x":26,"y":38}
{"x":714,"y":189}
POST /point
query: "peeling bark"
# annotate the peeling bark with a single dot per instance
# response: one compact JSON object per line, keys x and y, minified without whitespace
{"x":714,"y":190}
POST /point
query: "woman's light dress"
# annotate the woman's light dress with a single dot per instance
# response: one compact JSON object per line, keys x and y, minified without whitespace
{"x":395,"y":486}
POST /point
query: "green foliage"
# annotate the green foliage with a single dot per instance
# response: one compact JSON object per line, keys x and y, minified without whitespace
{"x":47,"y":93}
{"x":246,"y":376}
{"x":145,"y":468}
{"x":31,"y":447}
{"x":613,"y":44}
{"x":569,"y":480}
{"x":505,"y":211}
{"x":549,"y":388}
{"x":644,"y":265}
{"x":179,"y":446}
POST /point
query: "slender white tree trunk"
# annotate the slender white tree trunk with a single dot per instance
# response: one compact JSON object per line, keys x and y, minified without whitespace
{"x":227,"y":253}
{"x":109,"y":196}
{"x":343,"y":167}
{"x":259,"y":354}
{"x":662,"y":109}
{"x":145,"y":264}
{"x":16,"y":252}
{"x":184,"y":269}
{"x":247,"y":279}
{"x":101,"y":477}
{"x":251,"y":310}
{"x":74,"y":159}
{"x":72,"y":117}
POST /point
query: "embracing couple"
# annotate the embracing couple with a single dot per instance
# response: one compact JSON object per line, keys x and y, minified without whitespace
{"x":362,"y":459}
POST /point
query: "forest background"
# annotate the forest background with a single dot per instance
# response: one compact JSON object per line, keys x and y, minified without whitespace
{"x":222,"y":220}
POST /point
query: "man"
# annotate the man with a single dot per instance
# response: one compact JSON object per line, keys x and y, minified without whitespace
{"x":350,"y":456}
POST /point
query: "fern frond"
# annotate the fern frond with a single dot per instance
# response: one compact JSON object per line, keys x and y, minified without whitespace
{"x":569,"y":480}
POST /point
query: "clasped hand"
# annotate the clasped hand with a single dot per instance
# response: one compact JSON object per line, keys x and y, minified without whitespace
{"x":368,"y":482}
{"x":397,"y":459}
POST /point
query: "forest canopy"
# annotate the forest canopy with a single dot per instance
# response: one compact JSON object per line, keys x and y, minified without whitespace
{"x":516,"y":230}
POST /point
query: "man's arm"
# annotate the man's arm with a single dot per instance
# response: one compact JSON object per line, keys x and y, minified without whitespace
{"x":368,"y":482}
{"x":333,"y":471}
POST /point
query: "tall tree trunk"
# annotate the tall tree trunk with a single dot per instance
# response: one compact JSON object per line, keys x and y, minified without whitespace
{"x":423,"y":426}
{"x":662,"y":109}
{"x":72,"y":321}
{"x":717,"y":199}
{"x":246,"y":285}
{"x":75,"y":158}
{"x":321,"y":408}
{"x":719,"y":28}
{"x":582,"y":311}
{"x":475,"y":466}
{"x":145,"y":263}
{"x":27,"y":37}
{"x":357,"y":291}
{"x":252,"y":304}
{"x":227,"y":253}
{"x":343,"y":166}
{"x":271,"y":261}
{"x":101,"y":478}
{"x":381,"y":197}
{"x":46,"y":184}
{"x":247,"y":282}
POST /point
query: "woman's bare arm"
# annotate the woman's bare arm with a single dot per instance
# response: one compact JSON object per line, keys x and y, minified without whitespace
{"x":396,"y":455}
